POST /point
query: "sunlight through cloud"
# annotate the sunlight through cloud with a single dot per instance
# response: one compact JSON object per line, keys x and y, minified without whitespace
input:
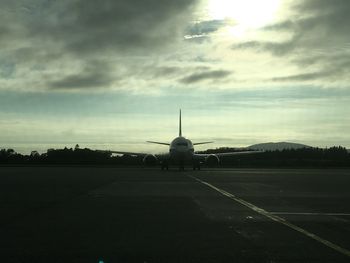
{"x":247,"y":14}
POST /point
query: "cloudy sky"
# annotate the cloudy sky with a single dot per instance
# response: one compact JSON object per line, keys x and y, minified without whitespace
{"x":113,"y":73}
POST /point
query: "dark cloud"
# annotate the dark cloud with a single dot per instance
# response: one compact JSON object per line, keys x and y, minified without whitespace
{"x":321,"y":6}
{"x":206,"y":75}
{"x":302,"y":77}
{"x":340,"y":69}
{"x":340,"y":61}
{"x":166,"y":71}
{"x":50,"y":35}
{"x":88,"y":26}
{"x":203,"y":29}
{"x":94,"y":75}
{"x":285,"y":25}
{"x":276,"y":48}
{"x":7,"y":69}
{"x":4,"y":31}
{"x":81,"y":81}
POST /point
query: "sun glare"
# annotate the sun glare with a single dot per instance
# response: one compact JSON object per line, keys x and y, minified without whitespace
{"x":247,"y":14}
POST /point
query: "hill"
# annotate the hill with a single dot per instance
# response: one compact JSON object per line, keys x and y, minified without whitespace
{"x":273,"y":146}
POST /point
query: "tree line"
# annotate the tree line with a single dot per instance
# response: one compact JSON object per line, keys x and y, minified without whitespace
{"x":305,"y":157}
{"x":67,"y":156}
{"x":336,"y":156}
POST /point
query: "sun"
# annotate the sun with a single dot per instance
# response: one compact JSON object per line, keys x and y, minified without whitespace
{"x":247,"y":14}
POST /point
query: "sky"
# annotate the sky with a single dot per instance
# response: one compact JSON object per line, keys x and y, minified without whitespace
{"x":112,"y":74}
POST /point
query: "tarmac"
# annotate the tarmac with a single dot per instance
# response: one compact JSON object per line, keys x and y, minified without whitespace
{"x":111,"y":214}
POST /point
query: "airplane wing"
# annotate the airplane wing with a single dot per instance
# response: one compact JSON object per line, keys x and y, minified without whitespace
{"x":198,"y":143}
{"x":162,"y":143}
{"x":227,"y":154}
{"x":127,"y":153}
{"x":160,"y":156}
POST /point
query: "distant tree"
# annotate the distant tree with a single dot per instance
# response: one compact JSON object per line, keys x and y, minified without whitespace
{"x":77,"y":147}
{"x":11,"y":152}
{"x":34,"y":154}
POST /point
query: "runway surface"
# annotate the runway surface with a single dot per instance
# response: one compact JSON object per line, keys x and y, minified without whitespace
{"x":106,"y":214}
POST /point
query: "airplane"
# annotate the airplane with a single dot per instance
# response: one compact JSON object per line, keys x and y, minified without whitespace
{"x":181,"y":152}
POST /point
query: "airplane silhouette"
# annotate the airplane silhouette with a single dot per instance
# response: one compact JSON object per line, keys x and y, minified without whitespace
{"x":181,"y":152}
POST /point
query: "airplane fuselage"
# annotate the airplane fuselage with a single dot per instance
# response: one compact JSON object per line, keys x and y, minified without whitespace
{"x":181,"y":150}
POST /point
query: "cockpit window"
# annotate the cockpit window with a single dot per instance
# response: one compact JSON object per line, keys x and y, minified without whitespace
{"x":182,"y":144}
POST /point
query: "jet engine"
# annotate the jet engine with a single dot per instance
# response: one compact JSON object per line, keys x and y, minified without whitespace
{"x":150,"y":159}
{"x":212,"y":160}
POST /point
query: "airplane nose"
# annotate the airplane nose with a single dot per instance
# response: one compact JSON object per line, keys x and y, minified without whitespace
{"x":181,"y":149}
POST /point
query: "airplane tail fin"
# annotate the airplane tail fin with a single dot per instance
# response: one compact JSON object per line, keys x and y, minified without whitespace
{"x":180,"y":129}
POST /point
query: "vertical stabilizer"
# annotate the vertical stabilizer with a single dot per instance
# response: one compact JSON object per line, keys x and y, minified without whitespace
{"x":180,"y":129}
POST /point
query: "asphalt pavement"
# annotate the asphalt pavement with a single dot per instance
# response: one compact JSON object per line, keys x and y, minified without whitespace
{"x":111,"y":214}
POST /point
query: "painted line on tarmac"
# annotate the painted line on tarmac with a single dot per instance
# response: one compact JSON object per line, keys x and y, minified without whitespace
{"x":276,"y":218}
{"x":309,"y":214}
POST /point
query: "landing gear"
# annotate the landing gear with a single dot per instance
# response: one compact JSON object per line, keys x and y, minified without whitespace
{"x":164,"y":165}
{"x":196,"y":166}
{"x":182,"y":166}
